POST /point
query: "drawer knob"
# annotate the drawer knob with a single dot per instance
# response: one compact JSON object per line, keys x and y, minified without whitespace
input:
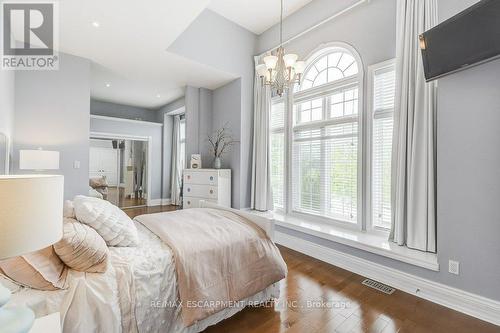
{"x":189,"y":202}
{"x":188,"y":177}
{"x":211,"y":191}
{"x":189,"y":190}
{"x":211,"y":177}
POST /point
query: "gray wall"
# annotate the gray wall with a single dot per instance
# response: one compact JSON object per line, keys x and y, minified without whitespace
{"x":172,"y":106}
{"x":468,"y":189}
{"x":138,"y":129}
{"x":308,"y":16}
{"x":101,"y":108}
{"x":199,"y":113}
{"x":7,"y":82}
{"x":469,"y":172}
{"x":226,"y":98}
{"x":52,"y":112}
{"x":207,"y":40}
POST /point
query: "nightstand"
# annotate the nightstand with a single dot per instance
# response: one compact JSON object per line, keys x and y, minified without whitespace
{"x":46,"y":324}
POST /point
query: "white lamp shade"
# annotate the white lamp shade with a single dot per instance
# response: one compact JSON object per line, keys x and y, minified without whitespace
{"x":38,"y":160}
{"x":299,"y":67}
{"x":31,"y":213}
{"x":271,"y":61}
{"x":290,"y":59}
{"x":261,"y":70}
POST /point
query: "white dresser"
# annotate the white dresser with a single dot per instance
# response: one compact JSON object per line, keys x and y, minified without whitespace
{"x":212,"y":185}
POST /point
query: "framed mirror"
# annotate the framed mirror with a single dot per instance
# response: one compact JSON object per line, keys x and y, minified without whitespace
{"x":4,"y":154}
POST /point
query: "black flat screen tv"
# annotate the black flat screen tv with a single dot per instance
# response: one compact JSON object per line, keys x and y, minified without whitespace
{"x":469,"y":38}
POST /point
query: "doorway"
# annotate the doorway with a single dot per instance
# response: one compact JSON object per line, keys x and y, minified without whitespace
{"x":118,"y":170}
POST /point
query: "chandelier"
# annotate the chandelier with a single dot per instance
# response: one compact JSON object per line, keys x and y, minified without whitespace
{"x":280,"y":70}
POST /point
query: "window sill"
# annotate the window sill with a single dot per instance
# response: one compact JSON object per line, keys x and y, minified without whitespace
{"x":376,"y":243}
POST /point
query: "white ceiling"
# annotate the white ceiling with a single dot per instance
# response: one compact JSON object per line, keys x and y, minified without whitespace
{"x":128,"y":48}
{"x":255,"y":15}
{"x":130,"y":64}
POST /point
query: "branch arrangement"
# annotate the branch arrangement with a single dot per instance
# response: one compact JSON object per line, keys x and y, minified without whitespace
{"x":221,"y":141}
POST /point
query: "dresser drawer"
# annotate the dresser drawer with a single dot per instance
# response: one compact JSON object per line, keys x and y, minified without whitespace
{"x":200,"y":191}
{"x":200,"y":177}
{"x":190,"y":202}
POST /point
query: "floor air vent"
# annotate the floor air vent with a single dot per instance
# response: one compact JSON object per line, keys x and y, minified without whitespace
{"x":379,"y":286}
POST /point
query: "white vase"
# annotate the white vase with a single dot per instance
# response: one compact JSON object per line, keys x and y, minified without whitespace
{"x":217,"y":163}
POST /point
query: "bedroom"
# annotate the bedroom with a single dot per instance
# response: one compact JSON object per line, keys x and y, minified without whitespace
{"x":326,"y":190}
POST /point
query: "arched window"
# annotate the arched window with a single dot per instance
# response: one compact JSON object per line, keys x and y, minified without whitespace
{"x":324,"y":159}
{"x":330,"y":65}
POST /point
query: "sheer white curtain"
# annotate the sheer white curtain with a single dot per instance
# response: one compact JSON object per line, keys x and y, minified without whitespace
{"x":414,"y":141}
{"x":176,"y":170}
{"x":261,"y":196}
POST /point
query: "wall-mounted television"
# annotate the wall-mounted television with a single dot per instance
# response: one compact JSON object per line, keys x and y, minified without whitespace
{"x":469,"y":38}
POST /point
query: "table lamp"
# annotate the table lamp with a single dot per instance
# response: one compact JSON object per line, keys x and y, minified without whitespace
{"x":31,"y":218}
{"x":38,"y":160}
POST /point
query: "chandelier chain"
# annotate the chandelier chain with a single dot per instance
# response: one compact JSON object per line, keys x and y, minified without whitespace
{"x":281,"y":24}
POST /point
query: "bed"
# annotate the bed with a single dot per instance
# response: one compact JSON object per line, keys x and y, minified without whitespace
{"x":138,"y":293}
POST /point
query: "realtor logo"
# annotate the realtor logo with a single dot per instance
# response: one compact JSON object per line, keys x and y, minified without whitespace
{"x":29,"y":35}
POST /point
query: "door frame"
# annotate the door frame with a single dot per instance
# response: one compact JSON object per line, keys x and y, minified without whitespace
{"x":148,"y":139}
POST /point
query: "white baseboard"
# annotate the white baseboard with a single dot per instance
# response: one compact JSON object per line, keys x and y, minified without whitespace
{"x":158,"y":202}
{"x":456,"y":299}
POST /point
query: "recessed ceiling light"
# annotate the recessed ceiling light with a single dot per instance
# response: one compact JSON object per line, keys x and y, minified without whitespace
{"x":96,"y":24}
{"x":108,"y":85}
{"x":158,"y":95}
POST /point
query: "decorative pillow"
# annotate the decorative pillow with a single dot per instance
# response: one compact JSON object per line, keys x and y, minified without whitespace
{"x":109,"y":221}
{"x":81,"y":248}
{"x":69,"y":209}
{"x":41,"y":270}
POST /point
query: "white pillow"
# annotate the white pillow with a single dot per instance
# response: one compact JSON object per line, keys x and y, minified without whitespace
{"x":109,"y":221}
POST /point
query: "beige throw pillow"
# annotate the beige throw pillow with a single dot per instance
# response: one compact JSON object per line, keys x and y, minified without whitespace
{"x":41,"y":270}
{"x":81,"y":248}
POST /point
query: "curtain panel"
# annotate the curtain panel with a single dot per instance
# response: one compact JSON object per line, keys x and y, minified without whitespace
{"x":414,"y":140}
{"x":176,"y":170}
{"x":261,"y":195}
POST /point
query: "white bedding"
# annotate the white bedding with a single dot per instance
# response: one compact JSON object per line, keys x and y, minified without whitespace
{"x":138,"y":293}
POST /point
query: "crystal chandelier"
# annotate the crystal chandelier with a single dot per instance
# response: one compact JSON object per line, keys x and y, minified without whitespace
{"x":280,"y":70}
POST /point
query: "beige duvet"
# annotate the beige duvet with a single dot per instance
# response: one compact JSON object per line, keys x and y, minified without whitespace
{"x":220,"y":258}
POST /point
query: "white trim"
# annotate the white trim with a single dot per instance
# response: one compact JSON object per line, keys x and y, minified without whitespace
{"x":369,"y":139}
{"x":374,"y":242}
{"x":148,"y":139}
{"x":159,"y":202}
{"x":322,"y":91}
{"x":178,"y":111}
{"x":453,"y":298}
{"x":143,"y":122}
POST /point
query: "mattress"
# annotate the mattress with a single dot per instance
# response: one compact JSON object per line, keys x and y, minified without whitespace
{"x":138,"y":293}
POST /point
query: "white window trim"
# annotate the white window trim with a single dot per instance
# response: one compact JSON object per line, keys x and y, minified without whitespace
{"x":365,"y":126}
{"x":369,"y":146}
{"x":370,"y":242}
{"x":322,"y":91}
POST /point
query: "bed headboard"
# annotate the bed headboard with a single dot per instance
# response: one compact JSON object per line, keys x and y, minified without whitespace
{"x":267,"y":224}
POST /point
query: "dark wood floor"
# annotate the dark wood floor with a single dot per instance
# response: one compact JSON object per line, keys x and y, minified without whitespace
{"x":133,"y":212}
{"x":341,"y":304}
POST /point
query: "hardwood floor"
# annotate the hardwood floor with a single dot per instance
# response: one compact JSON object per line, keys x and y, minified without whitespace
{"x":341,"y":304}
{"x":133,"y":212}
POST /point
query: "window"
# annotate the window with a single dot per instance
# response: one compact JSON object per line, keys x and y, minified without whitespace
{"x":383,"y":79}
{"x":277,"y":144}
{"x":316,"y":142}
{"x":333,"y":66}
{"x":325,"y":155}
{"x":182,"y":141}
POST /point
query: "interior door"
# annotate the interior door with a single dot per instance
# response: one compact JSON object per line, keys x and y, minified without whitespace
{"x":103,"y":162}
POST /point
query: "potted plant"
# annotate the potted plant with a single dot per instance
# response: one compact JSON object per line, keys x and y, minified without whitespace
{"x":220,"y":142}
